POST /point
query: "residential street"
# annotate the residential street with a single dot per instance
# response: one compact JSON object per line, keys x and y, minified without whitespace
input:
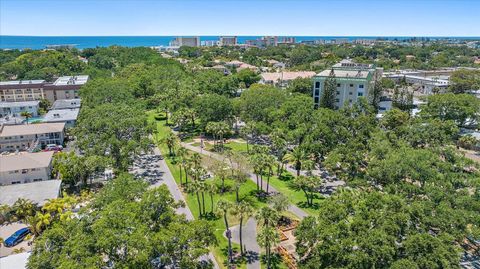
{"x":158,"y":167}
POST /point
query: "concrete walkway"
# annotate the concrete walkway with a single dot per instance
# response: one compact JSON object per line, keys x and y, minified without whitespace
{"x":292,"y":208}
{"x":169,"y":181}
{"x":249,"y":241}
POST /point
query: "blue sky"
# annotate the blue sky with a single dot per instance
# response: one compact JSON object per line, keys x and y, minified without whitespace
{"x":241,"y":17}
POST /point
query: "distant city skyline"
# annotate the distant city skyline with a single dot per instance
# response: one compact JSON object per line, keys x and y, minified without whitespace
{"x":240,"y":17}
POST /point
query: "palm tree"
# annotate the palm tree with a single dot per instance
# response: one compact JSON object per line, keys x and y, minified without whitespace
{"x":23,"y":208}
{"x":269,"y":162}
{"x":27,"y":115}
{"x":267,"y":216}
{"x":171,"y":140}
{"x":268,"y":237}
{"x":296,"y":157}
{"x":242,"y":210}
{"x":257,"y":164}
{"x":182,"y":158}
{"x":223,"y":207}
{"x":212,"y":190}
{"x":195,"y":187}
{"x":39,"y":222}
{"x":240,"y":177}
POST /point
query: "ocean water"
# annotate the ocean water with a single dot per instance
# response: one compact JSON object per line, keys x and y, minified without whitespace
{"x":81,"y":42}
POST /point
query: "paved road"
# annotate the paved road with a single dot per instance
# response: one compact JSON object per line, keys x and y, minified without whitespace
{"x":249,"y":241}
{"x":159,"y":166}
{"x":292,"y":208}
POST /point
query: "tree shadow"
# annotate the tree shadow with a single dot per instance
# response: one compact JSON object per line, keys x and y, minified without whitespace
{"x":275,"y":261}
{"x":210,"y":216}
{"x":304,"y":204}
{"x":286,"y":177}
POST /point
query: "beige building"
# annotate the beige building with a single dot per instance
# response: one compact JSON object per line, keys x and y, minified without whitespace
{"x":67,"y":87}
{"x":354,"y":80}
{"x":21,"y":90}
{"x":25,"y":167}
{"x":30,"y":136}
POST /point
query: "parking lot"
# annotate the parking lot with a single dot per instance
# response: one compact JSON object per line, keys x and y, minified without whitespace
{"x":146,"y":167}
{"x":8,"y":230}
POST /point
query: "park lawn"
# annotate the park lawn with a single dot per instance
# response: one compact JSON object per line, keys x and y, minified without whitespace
{"x":232,"y":145}
{"x":246,"y":192}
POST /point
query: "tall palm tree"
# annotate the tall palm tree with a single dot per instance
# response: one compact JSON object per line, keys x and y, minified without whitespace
{"x":242,"y":210}
{"x":182,"y":156}
{"x":269,"y":163}
{"x":267,"y":216}
{"x":223,"y":208}
{"x":240,"y":177}
{"x":171,"y":140}
{"x":268,"y":237}
{"x":212,"y":190}
{"x":195,"y":187}
{"x":257,"y":164}
{"x":27,"y":115}
{"x":220,"y":170}
{"x":296,"y":157}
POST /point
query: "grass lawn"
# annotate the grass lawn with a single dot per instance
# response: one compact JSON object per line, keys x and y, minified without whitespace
{"x":247,"y":191}
{"x":231,"y":145}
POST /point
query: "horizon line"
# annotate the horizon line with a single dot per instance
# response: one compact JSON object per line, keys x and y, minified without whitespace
{"x":187,"y":35}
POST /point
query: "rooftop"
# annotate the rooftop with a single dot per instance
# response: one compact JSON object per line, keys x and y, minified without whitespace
{"x":37,"y":192}
{"x":25,"y":160}
{"x":16,"y":261}
{"x":66,"y":104}
{"x":71,"y":80}
{"x":286,"y":75}
{"x":353,"y":74}
{"x":31,"y":129}
{"x":18,"y":104}
{"x":18,"y":82}
{"x":349,"y":64}
{"x":61,"y":115}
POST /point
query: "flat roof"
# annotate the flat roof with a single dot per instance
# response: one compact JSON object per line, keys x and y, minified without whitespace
{"x":25,"y":160}
{"x":60,"y":115}
{"x":355,"y":74}
{"x":22,"y":82}
{"x":286,"y":75}
{"x":67,"y":103}
{"x":37,"y":192}
{"x":19,"y":104}
{"x":15,"y":261}
{"x":31,"y":129}
{"x":71,"y":80}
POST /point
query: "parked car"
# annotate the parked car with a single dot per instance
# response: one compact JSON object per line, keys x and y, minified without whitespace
{"x":17,"y":237}
{"x":53,"y":147}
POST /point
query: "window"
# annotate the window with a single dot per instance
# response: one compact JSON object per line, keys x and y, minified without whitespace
{"x":338,"y":92}
{"x":350,"y":93}
{"x":351,"y":85}
{"x":360,"y":86}
{"x":337,"y":100}
{"x":16,"y":182}
{"x":317,"y":84}
{"x":317,"y":92}
{"x":316,"y":99}
{"x":360,"y":94}
{"x":37,"y":179}
{"x":24,"y":171}
{"x":338,"y":85}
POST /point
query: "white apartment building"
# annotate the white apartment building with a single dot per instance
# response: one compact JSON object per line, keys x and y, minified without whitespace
{"x":66,"y":87}
{"x":228,"y":41}
{"x":353,"y":82}
{"x":14,"y":109}
{"x":25,"y":167}
{"x":30,"y":136}
{"x":193,"y":41}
